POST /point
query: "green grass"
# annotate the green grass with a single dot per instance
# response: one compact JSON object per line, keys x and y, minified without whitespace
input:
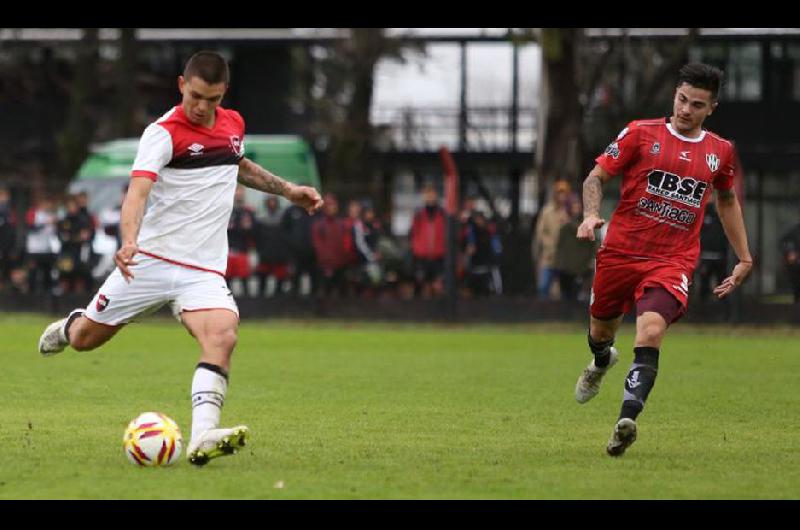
{"x":371,"y":411}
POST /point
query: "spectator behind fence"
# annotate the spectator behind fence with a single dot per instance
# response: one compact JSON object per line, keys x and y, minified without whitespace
{"x":428,"y":245}
{"x":712,"y":265}
{"x":328,"y":235}
{"x":88,"y":220}
{"x":272,"y":245}
{"x":552,"y":217}
{"x":361,"y":240}
{"x":303,"y":260}
{"x":790,"y":252}
{"x":9,"y":253}
{"x":75,"y":259}
{"x":574,"y":257}
{"x":483,"y":250}
{"x":241,"y":238}
{"x":366,"y":234}
{"x":41,"y":246}
{"x":352,"y":222}
{"x":109,"y":218}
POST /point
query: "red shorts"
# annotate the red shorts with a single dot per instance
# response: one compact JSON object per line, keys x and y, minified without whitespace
{"x":238,"y":265}
{"x":279,"y":270}
{"x":620,"y":281}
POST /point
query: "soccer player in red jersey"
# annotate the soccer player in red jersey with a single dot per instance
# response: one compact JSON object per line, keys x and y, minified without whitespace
{"x":668,"y":167}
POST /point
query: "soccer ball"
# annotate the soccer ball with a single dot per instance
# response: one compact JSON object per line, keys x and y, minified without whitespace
{"x":152,"y":439}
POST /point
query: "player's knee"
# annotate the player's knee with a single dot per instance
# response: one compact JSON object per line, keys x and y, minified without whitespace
{"x":651,"y":334}
{"x":226,"y":339}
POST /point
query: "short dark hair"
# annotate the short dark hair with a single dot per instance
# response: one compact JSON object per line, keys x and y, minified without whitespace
{"x":703,"y":76}
{"x":209,"y":66}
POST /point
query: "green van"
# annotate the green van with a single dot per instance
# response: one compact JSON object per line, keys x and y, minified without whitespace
{"x":107,"y":169}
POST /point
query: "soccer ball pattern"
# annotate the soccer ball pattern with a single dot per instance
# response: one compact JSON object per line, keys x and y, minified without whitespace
{"x":152,"y":439}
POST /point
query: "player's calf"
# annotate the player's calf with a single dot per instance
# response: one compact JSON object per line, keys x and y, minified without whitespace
{"x":640,"y":381}
{"x":56,"y":335}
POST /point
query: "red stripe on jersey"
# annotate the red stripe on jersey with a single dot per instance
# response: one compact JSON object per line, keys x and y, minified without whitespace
{"x":146,"y":174}
{"x":180,"y":264}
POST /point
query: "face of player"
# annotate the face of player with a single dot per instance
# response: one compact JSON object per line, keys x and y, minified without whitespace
{"x":200,"y":100}
{"x":690,"y":109}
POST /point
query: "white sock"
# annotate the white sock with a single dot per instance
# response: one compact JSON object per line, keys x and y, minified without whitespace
{"x":208,"y":395}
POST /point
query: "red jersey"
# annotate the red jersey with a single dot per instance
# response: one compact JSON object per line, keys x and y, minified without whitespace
{"x":666,"y":183}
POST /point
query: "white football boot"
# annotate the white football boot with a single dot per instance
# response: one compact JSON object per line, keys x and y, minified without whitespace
{"x":624,"y":435}
{"x":54,"y":338}
{"x":214,"y":443}
{"x":589,"y":382}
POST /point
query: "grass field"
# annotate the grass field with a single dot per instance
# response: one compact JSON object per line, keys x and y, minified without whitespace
{"x":373,"y":411}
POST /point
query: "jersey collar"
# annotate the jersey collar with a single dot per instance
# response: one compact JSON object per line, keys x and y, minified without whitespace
{"x":676,"y":134}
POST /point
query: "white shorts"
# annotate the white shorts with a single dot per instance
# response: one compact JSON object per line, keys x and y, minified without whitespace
{"x":155,"y":284}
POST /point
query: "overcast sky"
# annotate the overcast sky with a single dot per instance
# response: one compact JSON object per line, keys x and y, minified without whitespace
{"x":434,"y":80}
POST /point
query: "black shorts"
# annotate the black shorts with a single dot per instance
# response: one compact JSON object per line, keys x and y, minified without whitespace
{"x":428,"y":270}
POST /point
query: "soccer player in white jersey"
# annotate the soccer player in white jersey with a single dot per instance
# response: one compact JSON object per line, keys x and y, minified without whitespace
{"x":187,"y":165}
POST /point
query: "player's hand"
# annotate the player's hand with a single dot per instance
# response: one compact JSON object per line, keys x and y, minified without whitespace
{"x":588,"y":226}
{"x":124,"y":259}
{"x":740,"y":272}
{"x":305,"y":197}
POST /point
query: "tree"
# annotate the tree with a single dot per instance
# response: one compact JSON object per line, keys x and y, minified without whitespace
{"x":591,"y":87}
{"x":341,"y":97}
{"x":74,"y":139}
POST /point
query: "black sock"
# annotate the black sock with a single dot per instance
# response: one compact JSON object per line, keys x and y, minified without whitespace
{"x":214,"y":368}
{"x":640,"y":381}
{"x":601,"y":351}
{"x":70,"y":319}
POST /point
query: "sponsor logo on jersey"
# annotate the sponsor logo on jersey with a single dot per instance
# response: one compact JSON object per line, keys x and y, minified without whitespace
{"x":655,"y":149}
{"x":684,"y":156}
{"x":667,"y":211}
{"x":670,"y":186}
{"x":713,"y":162}
{"x":613,"y":150}
{"x":102,"y":302}
{"x":196,"y":149}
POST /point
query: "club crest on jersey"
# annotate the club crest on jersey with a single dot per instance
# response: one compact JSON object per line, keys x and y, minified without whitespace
{"x":682,"y":189}
{"x":102,"y":302}
{"x":613,"y":150}
{"x":713,"y":162}
{"x":655,"y":149}
{"x":236,"y":144}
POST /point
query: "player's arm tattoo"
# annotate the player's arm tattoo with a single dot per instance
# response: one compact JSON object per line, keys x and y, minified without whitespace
{"x":592,"y":195}
{"x":254,"y":176}
{"x":726,"y":195}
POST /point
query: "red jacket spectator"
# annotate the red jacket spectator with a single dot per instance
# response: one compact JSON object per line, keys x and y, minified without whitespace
{"x":328,"y":236}
{"x":427,"y":233}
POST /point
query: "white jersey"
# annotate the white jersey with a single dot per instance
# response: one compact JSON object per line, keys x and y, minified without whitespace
{"x":195,"y":171}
